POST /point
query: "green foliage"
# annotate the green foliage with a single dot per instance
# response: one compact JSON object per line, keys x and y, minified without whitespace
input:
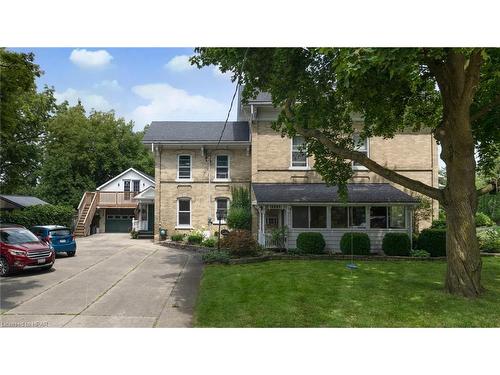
{"x":239,"y":218}
{"x":24,"y":116}
{"x":357,"y":243}
{"x":216,"y":256}
{"x":421,"y":213}
{"x":279,"y":236}
{"x":195,"y":238}
{"x":40,"y":215}
{"x":439,"y":224}
{"x":240,"y":243}
{"x":489,"y":240}
{"x":482,"y":220}
{"x":489,"y":204}
{"x":239,"y":215}
{"x":134,"y":234}
{"x":419,"y":254}
{"x":396,"y":244}
{"x":311,"y":243}
{"x":209,"y":242}
{"x":297,"y":252}
{"x":414,"y":240}
{"x":84,"y":151}
{"x":433,"y":241}
{"x":177,"y":237}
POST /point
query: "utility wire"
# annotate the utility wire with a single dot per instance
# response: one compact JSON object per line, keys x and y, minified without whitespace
{"x":232,"y":101}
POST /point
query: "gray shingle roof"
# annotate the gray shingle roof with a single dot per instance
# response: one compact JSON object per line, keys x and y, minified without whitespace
{"x":196,"y":132}
{"x":321,"y":193}
{"x":22,"y":200}
{"x":261,"y":97}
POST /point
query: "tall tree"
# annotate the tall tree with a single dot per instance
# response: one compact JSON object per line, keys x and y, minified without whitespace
{"x":24,"y":114}
{"x":84,"y":151}
{"x":453,"y":92}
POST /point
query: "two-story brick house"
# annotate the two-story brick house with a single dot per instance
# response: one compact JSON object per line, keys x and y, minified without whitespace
{"x":194,"y":178}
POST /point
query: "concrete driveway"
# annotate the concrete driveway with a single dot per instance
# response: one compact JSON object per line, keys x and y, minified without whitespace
{"x":113,"y":281}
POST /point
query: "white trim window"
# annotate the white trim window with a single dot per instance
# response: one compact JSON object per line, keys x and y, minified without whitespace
{"x":299,"y":153}
{"x":223,"y":205}
{"x":222,"y":167}
{"x":360,"y":145}
{"x":184,"y":170}
{"x":309,"y":217}
{"x":357,"y":217}
{"x":184,"y":213}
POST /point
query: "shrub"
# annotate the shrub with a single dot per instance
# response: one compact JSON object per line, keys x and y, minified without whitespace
{"x":420,"y":254}
{"x":358,"y":242}
{"x":396,"y":244}
{"x":483,"y":220}
{"x":240,"y":243}
{"x":195,"y":238}
{"x":239,"y":218}
{"x":216,"y":256}
{"x":177,"y":237}
{"x":44,"y":214}
{"x":414,"y":240}
{"x":433,"y":241}
{"x":489,"y":240}
{"x":294,"y":252}
{"x":439,"y":224}
{"x":209,"y":242}
{"x":134,"y":234}
{"x":311,"y":243}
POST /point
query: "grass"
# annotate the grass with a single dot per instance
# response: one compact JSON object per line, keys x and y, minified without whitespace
{"x":326,"y":294}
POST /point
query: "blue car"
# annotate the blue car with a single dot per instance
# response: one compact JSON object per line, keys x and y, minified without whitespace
{"x":59,"y":237}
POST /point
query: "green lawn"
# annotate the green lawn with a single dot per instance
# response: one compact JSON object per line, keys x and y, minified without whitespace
{"x":326,"y":294}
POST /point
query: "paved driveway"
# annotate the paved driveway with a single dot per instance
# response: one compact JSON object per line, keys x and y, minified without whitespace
{"x":113,"y":281}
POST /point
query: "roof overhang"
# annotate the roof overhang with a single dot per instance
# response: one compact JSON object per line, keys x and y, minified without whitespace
{"x":124,"y":172}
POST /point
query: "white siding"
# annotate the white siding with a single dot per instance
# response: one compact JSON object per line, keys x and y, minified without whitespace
{"x":117,"y":185}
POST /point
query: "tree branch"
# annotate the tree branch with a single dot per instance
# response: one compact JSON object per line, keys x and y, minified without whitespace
{"x":486,"y":189}
{"x":485,"y":109}
{"x":361,"y":158}
{"x":472,"y":74}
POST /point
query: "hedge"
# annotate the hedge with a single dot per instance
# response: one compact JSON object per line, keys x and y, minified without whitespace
{"x":311,"y":243}
{"x":43,"y":214}
{"x":356,"y":243}
{"x":239,"y":218}
{"x":396,"y":244}
{"x":240,"y":243}
{"x":433,"y":241}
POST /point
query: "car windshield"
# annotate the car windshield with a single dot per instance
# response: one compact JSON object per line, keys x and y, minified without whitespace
{"x":60,"y":232}
{"x":17,"y":236}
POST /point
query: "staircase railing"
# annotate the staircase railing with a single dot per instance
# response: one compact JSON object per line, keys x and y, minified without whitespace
{"x":90,"y":213}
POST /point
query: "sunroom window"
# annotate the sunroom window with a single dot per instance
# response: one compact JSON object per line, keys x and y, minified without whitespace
{"x":357,"y":217}
{"x":397,"y":218}
{"x":339,"y":217}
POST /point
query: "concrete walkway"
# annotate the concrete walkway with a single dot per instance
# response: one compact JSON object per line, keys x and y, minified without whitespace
{"x":113,"y":281}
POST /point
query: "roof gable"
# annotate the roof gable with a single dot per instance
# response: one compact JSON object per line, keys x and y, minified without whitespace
{"x":149,"y":178}
{"x":22,"y":200}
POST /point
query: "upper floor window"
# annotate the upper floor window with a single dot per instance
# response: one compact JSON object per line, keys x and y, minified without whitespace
{"x":360,"y":145}
{"x":299,"y":153}
{"x":222,"y":167}
{"x":184,"y":167}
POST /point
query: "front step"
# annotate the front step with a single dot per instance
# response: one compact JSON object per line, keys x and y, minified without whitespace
{"x":145,"y":234}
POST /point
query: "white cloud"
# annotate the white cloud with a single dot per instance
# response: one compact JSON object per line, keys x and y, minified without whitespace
{"x":168,"y":103}
{"x":89,"y":100}
{"x":217,"y":73}
{"x":108,"y":85}
{"x":180,"y":64}
{"x":90,"y":59}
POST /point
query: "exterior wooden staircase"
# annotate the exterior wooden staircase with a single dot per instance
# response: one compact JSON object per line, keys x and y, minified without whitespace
{"x":86,"y":211}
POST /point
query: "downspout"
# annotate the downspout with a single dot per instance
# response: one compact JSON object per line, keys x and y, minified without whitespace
{"x":209,"y":159}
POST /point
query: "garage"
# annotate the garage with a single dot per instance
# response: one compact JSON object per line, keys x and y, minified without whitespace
{"x":119,"y":220}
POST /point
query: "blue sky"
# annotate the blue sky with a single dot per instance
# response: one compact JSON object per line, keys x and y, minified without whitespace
{"x":140,"y":84}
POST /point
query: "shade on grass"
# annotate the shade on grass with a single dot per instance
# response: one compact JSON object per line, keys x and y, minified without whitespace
{"x":326,"y":294}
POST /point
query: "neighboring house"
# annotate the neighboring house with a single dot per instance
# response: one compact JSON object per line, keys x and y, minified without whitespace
{"x":194,"y":176}
{"x":12,"y":202}
{"x":121,"y":204}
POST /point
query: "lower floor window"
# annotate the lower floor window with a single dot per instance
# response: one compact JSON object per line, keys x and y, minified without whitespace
{"x":357,"y":217}
{"x":397,"y":217}
{"x":378,"y":217}
{"x":309,"y":216}
{"x":184,"y":212}
{"x":221,"y":207}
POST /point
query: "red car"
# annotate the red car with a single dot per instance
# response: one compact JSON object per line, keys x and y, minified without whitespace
{"x":22,"y":250}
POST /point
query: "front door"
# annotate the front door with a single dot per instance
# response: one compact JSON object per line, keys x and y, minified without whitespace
{"x":151,"y":217}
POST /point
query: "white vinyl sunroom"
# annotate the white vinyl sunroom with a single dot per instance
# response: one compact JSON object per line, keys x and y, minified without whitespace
{"x":372,"y":208}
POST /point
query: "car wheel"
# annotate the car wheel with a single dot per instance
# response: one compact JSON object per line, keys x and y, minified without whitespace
{"x":71,"y":253}
{"x":4,"y":267}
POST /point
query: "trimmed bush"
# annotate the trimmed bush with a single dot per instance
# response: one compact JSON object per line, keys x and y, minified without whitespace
{"x":483,"y":220}
{"x":195,"y":238}
{"x":240,"y":243}
{"x":439,"y":224}
{"x":209,"y":242}
{"x":433,"y":241}
{"x":177,"y":237}
{"x":489,"y":240}
{"x":396,"y":244}
{"x":215,"y":256}
{"x":420,"y":254}
{"x":358,"y":242}
{"x":311,"y":243}
{"x":43,"y":214}
{"x":239,"y":218}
